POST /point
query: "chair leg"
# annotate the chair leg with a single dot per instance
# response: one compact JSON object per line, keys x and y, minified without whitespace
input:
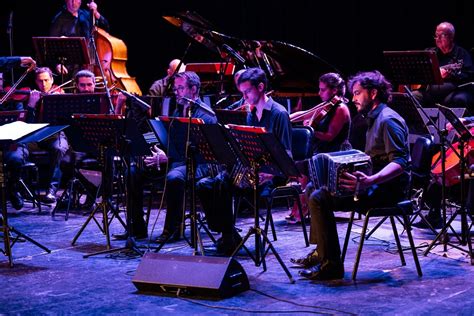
{"x":375,"y":227}
{"x":269,"y":219}
{"x":397,"y":240}
{"x":348,"y":233}
{"x":303,"y":224}
{"x":412,"y":245}
{"x":361,"y":245}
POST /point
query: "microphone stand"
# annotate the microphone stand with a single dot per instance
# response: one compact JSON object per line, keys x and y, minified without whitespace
{"x":10,"y":40}
{"x":101,"y":69}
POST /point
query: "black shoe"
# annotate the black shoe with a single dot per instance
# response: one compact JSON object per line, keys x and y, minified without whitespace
{"x":17,"y":200}
{"x":327,"y":271}
{"x":226,"y":245}
{"x":435,"y":221}
{"x":89,"y":203}
{"x":166,"y":236}
{"x":50,"y":197}
{"x":310,"y":260}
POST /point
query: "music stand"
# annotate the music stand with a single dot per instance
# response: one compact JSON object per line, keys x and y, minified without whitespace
{"x":464,"y":136}
{"x":231,"y":117}
{"x":263,"y":153}
{"x":61,"y":50}
{"x":403,"y":105}
{"x":12,"y":116}
{"x":18,"y":132}
{"x":101,"y":131}
{"x":58,"y":108}
{"x":413,"y":67}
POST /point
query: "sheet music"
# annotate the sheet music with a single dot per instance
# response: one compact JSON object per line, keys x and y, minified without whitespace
{"x":19,"y":129}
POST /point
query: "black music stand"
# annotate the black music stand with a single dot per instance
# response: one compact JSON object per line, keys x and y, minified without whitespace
{"x":263,"y":153}
{"x":413,"y":67}
{"x":231,"y":117}
{"x":464,"y":136}
{"x":24,"y":133}
{"x":61,"y":50}
{"x":102,"y":132}
{"x":403,"y":105}
{"x":58,"y":108}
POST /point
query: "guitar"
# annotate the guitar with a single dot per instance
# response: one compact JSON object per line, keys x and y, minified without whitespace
{"x":451,"y":70}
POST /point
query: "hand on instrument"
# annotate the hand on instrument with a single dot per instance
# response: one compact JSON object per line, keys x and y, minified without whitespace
{"x":93,"y":7}
{"x":350,"y":181}
{"x":35,"y":96}
{"x":61,"y":69}
{"x":28,"y":62}
{"x":157,"y":156}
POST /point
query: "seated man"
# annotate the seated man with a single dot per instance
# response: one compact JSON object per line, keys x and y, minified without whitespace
{"x":57,"y":145}
{"x":16,"y":155}
{"x":186,"y":86}
{"x":216,"y":193}
{"x":387,"y":145}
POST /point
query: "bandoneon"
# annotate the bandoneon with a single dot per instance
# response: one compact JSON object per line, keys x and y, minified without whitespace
{"x":325,"y":169}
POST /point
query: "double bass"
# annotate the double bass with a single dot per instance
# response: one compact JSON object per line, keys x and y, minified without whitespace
{"x":113,"y":57}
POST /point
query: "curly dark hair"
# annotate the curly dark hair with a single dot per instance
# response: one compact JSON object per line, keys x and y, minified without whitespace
{"x":373,"y":80}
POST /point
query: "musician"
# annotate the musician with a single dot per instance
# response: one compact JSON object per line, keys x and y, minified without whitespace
{"x":71,"y":20}
{"x":158,"y":88}
{"x":239,"y":103}
{"x":456,"y":68}
{"x":387,"y":145}
{"x":57,"y":145}
{"x":216,"y":193}
{"x":85,"y":81}
{"x":185,"y":85}
{"x":15,"y":156}
{"x":331,"y":130}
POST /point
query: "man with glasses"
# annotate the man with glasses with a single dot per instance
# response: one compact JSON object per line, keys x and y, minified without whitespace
{"x":456,"y":69}
{"x":186,"y":86}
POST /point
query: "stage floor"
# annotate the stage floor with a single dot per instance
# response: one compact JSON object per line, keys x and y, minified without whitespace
{"x":64,"y":282}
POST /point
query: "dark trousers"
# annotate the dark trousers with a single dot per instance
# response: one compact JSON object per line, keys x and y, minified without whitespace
{"x":322,"y":205}
{"x":14,"y":159}
{"x":175,"y":189}
{"x":57,"y":146}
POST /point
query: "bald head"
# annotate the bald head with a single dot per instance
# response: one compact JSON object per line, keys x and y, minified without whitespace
{"x":173,"y":65}
{"x":446,"y":28}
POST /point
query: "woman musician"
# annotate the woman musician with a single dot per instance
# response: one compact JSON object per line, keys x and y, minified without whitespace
{"x":330,"y":121}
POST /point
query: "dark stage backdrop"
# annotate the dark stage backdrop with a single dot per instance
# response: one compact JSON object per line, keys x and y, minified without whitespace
{"x":350,"y":35}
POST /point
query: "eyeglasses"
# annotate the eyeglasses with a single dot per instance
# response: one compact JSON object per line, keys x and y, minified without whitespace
{"x":441,"y":35}
{"x":179,"y":88}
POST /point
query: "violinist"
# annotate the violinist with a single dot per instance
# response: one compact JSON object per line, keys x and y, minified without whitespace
{"x":331,"y":122}
{"x":56,"y":145}
{"x":15,"y":157}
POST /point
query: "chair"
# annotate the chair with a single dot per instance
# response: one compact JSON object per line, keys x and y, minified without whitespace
{"x":403,"y":209}
{"x":301,"y":145}
{"x":421,"y":155}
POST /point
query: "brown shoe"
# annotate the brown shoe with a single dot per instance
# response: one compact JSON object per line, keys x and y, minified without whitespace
{"x":310,"y":260}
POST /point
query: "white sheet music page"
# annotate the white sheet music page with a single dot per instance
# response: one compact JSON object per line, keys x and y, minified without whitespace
{"x":18,"y":129}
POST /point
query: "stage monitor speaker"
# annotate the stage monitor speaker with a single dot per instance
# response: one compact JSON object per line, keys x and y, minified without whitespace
{"x":201,"y":276}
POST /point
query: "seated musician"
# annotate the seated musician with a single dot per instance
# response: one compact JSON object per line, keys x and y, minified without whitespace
{"x":216,"y":193}
{"x":186,"y":85}
{"x":16,"y":155}
{"x":456,"y":68}
{"x":331,"y":122}
{"x":160,"y":86}
{"x":387,"y":145}
{"x":57,"y":145}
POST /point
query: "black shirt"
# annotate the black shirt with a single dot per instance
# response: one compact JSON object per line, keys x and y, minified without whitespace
{"x":66,"y":24}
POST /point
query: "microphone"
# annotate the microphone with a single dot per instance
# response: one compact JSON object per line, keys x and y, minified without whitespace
{"x":205,"y":108}
{"x":138,"y":100}
{"x":234,"y":54}
{"x":10,"y":22}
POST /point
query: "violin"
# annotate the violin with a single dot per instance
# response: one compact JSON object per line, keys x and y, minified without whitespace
{"x":315,"y":115}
